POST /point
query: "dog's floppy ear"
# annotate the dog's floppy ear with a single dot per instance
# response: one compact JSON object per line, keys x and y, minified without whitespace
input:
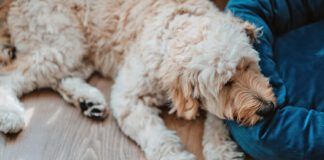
{"x":248,"y":64}
{"x":251,"y":31}
{"x":184,"y":101}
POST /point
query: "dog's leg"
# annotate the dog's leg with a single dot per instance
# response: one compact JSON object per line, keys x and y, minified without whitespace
{"x":11,"y":112}
{"x":12,"y":86}
{"x":217,"y":144}
{"x":23,"y":80}
{"x":84,"y":96}
{"x":132,"y":104}
{"x":17,"y":82}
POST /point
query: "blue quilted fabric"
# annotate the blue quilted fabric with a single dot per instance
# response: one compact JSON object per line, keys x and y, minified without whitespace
{"x":292,"y":55}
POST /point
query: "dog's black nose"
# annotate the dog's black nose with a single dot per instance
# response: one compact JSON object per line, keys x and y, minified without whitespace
{"x":266,"y":109}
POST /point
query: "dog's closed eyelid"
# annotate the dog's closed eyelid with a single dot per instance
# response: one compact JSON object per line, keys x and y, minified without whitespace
{"x":247,"y":67}
{"x":229,"y":83}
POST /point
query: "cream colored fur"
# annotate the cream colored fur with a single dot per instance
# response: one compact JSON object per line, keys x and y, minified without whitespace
{"x":156,"y":51}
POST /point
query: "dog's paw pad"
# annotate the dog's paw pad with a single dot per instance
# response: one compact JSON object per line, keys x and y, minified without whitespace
{"x":94,"y":110}
{"x":11,"y":122}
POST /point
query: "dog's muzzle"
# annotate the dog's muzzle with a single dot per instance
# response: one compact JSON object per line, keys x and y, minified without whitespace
{"x":266,"y":109}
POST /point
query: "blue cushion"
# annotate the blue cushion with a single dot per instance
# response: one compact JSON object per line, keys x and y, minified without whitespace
{"x":292,"y":56}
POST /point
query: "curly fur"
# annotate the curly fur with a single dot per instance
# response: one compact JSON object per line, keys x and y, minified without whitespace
{"x":186,"y":51}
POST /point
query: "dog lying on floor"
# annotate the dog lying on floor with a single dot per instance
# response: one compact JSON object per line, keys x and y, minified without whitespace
{"x":184,"y":51}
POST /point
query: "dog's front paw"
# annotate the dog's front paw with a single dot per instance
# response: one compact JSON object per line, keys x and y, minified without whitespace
{"x":97,"y":110}
{"x":11,"y":121}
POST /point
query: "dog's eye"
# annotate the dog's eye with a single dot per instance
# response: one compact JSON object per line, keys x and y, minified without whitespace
{"x":246,"y":67}
{"x":229,"y":83}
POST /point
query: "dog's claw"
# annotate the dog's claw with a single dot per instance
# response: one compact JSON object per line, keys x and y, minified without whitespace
{"x":96,"y":111}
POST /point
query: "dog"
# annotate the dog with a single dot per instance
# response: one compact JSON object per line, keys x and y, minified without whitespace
{"x":184,"y":51}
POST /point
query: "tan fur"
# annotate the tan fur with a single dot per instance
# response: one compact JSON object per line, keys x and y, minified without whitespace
{"x":184,"y":101}
{"x":244,"y":91}
{"x":252,"y":32}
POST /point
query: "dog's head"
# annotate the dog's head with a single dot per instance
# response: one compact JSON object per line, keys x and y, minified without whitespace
{"x":245,"y":97}
{"x":224,"y":78}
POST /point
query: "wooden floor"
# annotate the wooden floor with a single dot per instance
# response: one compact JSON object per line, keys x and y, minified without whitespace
{"x":57,"y":131}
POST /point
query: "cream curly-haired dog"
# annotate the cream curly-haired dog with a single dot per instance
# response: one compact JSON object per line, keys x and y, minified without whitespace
{"x":186,"y":51}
